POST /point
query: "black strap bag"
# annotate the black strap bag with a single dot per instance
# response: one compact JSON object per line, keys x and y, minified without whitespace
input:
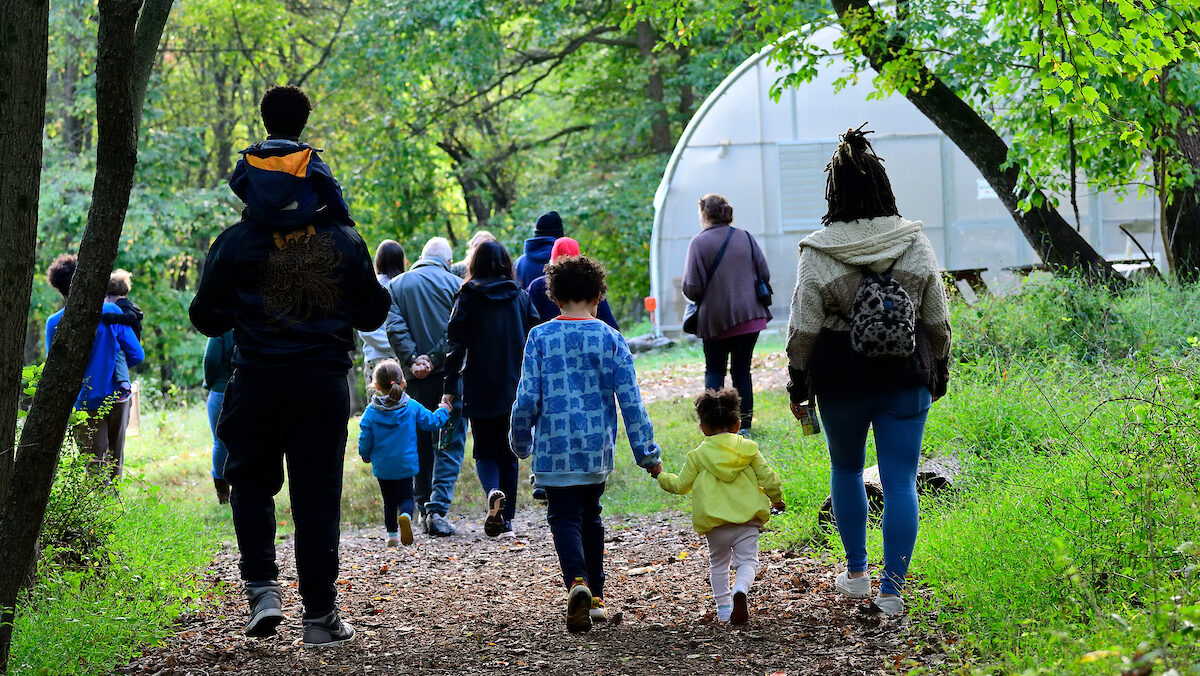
{"x":762,"y":288}
{"x":691,"y":317}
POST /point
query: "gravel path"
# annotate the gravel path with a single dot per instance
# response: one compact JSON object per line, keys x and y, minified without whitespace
{"x":474,"y":605}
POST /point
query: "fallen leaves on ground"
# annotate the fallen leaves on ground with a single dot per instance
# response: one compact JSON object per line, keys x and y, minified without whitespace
{"x":476,"y":605}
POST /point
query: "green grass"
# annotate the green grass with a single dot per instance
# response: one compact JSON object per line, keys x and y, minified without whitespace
{"x":1069,"y":547}
{"x":86,"y":619}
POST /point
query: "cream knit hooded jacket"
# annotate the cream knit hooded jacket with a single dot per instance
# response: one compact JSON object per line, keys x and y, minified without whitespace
{"x":832,"y":259}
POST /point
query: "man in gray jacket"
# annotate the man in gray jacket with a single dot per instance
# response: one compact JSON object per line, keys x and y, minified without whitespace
{"x":416,"y":328}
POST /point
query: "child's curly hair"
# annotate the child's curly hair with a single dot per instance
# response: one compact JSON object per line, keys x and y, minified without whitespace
{"x":61,"y":271}
{"x":719,"y":409}
{"x":573,"y":279}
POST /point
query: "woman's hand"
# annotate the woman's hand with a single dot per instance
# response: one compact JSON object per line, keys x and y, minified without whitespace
{"x":447,"y":400}
{"x":655,"y":470}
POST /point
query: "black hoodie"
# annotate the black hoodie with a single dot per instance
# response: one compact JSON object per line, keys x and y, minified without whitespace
{"x":292,"y":297}
{"x":489,"y":323}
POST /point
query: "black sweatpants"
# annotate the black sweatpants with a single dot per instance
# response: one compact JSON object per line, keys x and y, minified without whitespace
{"x":268,"y":416}
{"x":736,"y":352}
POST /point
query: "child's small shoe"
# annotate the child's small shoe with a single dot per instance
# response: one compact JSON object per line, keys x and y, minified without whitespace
{"x":853,"y":587}
{"x":741,"y":609}
{"x":890,"y":605}
{"x":393,"y":540}
{"x":599,"y":613}
{"x":579,"y":607}
{"x":405,"y":523}
{"x":723,"y":613}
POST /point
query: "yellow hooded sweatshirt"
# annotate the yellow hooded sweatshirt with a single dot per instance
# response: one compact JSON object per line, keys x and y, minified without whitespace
{"x":728,"y":477}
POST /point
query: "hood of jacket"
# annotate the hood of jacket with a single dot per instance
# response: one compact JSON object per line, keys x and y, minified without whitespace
{"x":725,"y":455}
{"x":276,"y":179}
{"x":539,"y":248}
{"x":492,"y":289}
{"x":382,"y":405}
{"x":869,"y":242}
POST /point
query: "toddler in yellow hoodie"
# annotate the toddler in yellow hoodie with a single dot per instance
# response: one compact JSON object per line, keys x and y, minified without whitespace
{"x":728,"y":478}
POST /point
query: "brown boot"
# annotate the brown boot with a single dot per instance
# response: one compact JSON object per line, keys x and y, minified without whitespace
{"x":222,"y":487}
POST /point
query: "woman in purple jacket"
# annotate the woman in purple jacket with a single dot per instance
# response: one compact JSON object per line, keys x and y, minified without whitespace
{"x":729,"y":315}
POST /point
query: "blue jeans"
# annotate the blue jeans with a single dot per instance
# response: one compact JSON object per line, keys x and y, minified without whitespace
{"x":219,"y":452}
{"x":494,"y":461}
{"x":573,"y":513}
{"x":898,"y":419}
{"x":433,"y":486}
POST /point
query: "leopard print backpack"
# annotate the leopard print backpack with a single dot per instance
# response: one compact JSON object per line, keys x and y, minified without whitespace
{"x":882,"y":319}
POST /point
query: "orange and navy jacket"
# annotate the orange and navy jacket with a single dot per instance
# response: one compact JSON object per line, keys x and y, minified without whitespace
{"x":285,"y":184}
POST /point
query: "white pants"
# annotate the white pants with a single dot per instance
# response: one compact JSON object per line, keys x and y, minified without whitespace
{"x":735,"y":545}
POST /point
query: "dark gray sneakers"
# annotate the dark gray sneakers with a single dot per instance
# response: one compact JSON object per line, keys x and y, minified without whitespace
{"x":439,"y":526}
{"x":327,"y":630}
{"x":266,"y":608}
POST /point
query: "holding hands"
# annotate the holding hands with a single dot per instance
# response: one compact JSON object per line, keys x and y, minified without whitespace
{"x":655,"y":470}
{"x":421,"y":367}
{"x":447,"y":401}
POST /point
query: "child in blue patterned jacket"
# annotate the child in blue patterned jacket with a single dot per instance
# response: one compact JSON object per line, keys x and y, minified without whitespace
{"x":576,"y":372}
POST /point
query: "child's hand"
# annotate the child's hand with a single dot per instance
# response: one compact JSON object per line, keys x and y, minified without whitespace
{"x":655,"y":470}
{"x":778,"y":507}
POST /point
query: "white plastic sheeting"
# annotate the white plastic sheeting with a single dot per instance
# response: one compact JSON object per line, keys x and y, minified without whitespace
{"x":769,"y":158}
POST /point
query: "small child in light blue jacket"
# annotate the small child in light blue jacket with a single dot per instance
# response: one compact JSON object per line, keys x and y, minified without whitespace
{"x":576,"y":373}
{"x":387,"y":438}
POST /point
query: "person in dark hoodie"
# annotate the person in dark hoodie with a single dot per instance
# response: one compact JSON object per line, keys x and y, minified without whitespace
{"x":546,"y":308}
{"x":293,"y":285}
{"x":387,"y":438}
{"x":491,"y":318}
{"x":282,"y":180}
{"x":537,"y":248}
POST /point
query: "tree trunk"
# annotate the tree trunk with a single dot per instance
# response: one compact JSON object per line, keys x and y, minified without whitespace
{"x":72,"y":122}
{"x":1181,"y":227}
{"x":660,"y":124}
{"x":687,"y":93}
{"x":23,"y":62}
{"x":1054,"y":240}
{"x":120,"y":83}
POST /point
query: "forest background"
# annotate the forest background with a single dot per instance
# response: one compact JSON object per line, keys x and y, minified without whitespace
{"x":438,"y":118}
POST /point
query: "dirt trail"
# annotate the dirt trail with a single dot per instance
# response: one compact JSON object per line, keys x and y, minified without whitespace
{"x":475,"y":605}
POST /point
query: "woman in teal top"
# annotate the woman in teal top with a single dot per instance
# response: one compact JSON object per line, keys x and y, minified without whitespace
{"x":217,"y":370}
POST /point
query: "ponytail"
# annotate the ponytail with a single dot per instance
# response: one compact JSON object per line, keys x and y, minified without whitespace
{"x":389,"y":380}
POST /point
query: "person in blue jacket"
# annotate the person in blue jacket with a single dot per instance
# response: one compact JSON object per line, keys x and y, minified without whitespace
{"x":387,"y":438}
{"x":103,"y":435}
{"x":537,"y":248}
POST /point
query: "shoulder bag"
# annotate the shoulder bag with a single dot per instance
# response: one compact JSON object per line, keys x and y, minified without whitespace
{"x":691,"y":317}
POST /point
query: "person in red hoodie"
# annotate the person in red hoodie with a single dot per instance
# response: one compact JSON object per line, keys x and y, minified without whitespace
{"x":547,"y":310}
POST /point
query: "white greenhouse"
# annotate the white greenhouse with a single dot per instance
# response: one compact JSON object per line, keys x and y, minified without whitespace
{"x":769,"y":158}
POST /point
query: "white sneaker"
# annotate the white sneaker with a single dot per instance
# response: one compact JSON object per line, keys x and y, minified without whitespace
{"x":853,"y":587}
{"x":890,"y":605}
